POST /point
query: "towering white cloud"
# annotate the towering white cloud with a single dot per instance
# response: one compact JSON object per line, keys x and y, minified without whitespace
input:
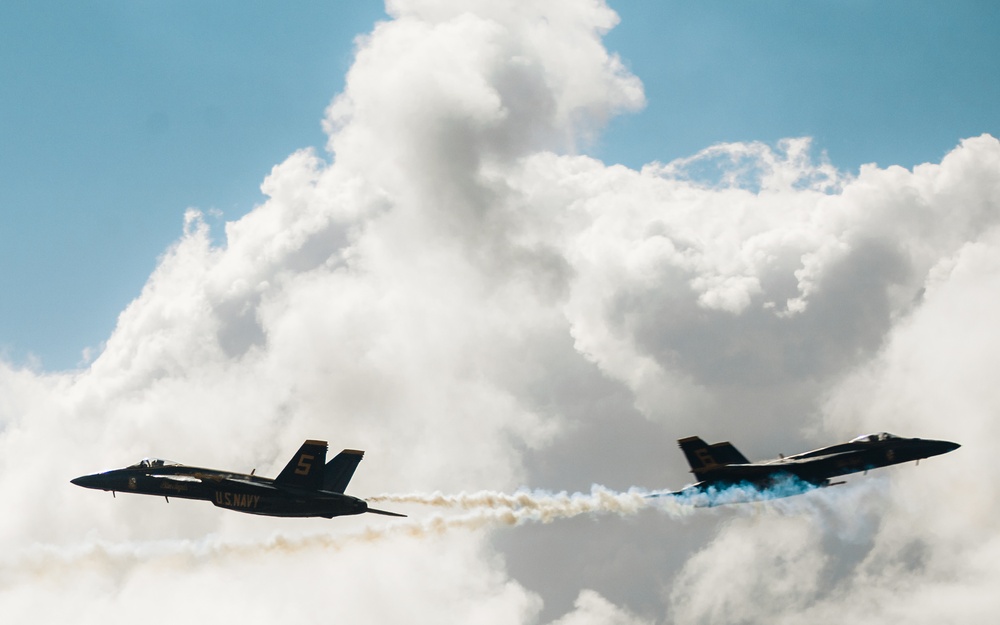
{"x":457,"y":290}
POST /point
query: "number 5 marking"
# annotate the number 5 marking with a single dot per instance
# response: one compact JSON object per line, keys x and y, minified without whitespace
{"x":305,"y":464}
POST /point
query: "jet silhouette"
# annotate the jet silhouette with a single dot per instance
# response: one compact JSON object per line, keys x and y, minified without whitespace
{"x":308,"y":486}
{"x":720,"y":466}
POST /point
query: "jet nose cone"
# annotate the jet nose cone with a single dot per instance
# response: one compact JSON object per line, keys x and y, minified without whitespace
{"x":87,"y":481}
{"x":936,"y":448}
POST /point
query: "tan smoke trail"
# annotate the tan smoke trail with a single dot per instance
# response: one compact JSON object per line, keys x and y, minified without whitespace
{"x":116,"y":558}
{"x":485,"y":510}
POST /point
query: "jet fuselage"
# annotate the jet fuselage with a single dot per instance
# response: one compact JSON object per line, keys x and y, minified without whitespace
{"x":720,"y":466}
{"x":233,"y":491}
{"x":305,"y":488}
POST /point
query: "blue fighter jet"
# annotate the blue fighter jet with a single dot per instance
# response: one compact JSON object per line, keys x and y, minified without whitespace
{"x":726,"y":476}
{"x":308,"y":486}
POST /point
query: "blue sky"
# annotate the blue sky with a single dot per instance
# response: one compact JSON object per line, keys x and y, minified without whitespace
{"x":117,"y":116}
{"x":483,"y":318}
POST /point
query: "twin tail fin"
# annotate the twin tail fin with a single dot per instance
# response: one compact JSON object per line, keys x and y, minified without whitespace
{"x":305,"y":469}
{"x":340,"y":470}
{"x":703,"y":457}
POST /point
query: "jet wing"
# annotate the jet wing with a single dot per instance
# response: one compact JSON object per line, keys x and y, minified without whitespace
{"x":244,"y":483}
{"x":745,"y":471}
{"x":178,"y":478}
{"x":807,"y":458}
{"x":227,"y":478}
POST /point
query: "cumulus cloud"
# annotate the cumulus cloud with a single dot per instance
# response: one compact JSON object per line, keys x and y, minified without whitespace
{"x":457,"y":288}
{"x":593,"y":609}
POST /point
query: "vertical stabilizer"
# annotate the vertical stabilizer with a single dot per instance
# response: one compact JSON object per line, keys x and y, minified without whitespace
{"x":725,"y":453}
{"x":340,"y":470}
{"x":305,"y":469}
{"x":704,"y":457}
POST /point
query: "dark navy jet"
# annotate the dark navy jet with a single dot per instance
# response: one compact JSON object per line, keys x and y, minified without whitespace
{"x":726,"y":476}
{"x":308,"y":486}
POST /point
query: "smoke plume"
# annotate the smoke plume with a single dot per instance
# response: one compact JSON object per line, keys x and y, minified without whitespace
{"x":540,"y":506}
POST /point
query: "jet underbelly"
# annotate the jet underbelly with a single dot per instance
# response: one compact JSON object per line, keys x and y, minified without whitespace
{"x":273,"y":502}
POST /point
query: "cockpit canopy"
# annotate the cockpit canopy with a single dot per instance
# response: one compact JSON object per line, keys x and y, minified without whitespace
{"x":873,"y":438}
{"x":153,"y":463}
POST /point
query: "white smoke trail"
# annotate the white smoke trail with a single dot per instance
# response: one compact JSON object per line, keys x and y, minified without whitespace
{"x":545,"y":507}
{"x":541,"y":506}
{"x":486,"y":510}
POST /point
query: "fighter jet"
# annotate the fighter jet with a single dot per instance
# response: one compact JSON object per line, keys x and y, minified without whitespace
{"x":720,"y":467}
{"x":308,"y":486}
